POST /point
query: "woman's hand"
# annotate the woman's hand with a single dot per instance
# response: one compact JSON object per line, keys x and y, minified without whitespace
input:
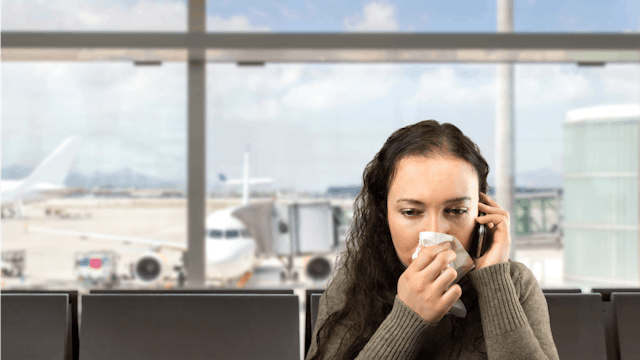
{"x":496,"y":221}
{"x":422,"y":286}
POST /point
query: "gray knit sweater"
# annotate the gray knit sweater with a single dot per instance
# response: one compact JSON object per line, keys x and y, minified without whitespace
{"x":512,"y":309}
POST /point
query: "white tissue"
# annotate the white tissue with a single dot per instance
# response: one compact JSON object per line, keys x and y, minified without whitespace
{"x":463,"y":263}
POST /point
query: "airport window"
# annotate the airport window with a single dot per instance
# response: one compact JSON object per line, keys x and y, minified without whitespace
{"x":309,"y":141}
{"x":281,"y":16}
{"x":103,"y":16}
{"x":415,"y":16}
{"x":311,"y":128}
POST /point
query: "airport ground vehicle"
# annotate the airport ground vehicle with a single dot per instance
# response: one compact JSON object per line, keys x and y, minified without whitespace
{"x":13,"y":263}
{"x":97,"y":268}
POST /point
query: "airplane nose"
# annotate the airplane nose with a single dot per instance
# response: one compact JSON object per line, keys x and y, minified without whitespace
{"x":225,"y":251}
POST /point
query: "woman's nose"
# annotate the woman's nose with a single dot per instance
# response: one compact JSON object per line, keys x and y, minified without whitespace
{"x":437,"y":224}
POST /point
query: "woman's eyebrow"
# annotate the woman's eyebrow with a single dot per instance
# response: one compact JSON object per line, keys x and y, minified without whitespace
{"x":413,"y":201}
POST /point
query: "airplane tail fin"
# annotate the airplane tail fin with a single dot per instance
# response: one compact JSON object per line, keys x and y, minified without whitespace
{"x":55,"y":168}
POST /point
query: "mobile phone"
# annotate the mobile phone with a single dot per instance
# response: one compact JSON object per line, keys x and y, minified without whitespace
{"x":481,"y":231}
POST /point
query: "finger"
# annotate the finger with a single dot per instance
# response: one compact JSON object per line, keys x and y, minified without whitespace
{"x":439,"y":264}
{"x":451,"y":295}
{"x":496,"y":219}
{"x":488,"y":200}
{"x":426,"y":256}
{"x":490,"y":209}
{"x":445,"y":279}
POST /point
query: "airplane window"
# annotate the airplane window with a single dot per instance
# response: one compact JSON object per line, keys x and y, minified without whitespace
{"x":215,"y":234}
{"x":231,"y":234}
{"x":245,"y":233}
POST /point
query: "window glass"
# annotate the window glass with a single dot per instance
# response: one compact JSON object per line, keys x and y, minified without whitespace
{"x":315,"y":17}
{"x":122,"y":134}
{"x":95,"y":15}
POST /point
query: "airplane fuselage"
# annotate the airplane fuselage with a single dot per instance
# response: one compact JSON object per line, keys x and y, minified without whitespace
{"x":229,"y":259}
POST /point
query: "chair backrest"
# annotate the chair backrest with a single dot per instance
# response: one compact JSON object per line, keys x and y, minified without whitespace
{"x":576,"y":325}
{"x":315,"y":303}
{"x":626,"y":310}
{"x":196,"y":291}
{"x":308,"y":331}
{"x":189,"y":326}
{"x":609,"y":318}
{"x":562,"y":291}
{"x":606,"y":292}
{"x":73,"y":345}
{"x":34,"y":326}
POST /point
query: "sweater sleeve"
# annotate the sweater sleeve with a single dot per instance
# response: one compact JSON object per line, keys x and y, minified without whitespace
{"x":515,"y":317}
{"x":398,"y":337}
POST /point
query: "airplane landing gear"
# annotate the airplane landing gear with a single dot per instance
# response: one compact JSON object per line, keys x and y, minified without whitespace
{"x":181,"y":277}
{"x":287,"y":275}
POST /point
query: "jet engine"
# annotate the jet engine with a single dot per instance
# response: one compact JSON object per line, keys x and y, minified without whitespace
{"x":149,"y":267}
{"x":318,"y":268}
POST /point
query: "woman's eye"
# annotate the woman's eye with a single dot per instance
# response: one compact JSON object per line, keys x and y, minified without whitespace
{"x":412,"y":213}
{"x":406,"y":213}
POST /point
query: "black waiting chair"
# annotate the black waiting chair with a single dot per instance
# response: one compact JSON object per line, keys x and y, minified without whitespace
{"x":198,"y":291}
{"x":308,"y":331}
{"x":35,"y":326}
{"x":626,"y":324}
{"x":606,"y":292}
{"x":189,"y":326}
{"x":576,"y":325}
{"x":315,"y":303}
{"x":73,"y":345}
{"x":562,"y":291}
{"x":608,"y":318}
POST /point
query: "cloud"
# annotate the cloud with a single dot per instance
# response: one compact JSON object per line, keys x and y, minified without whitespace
{"x":377,"y":16}
{"x":445,"y":86}
{"x":621,"y":82}
{"x":539,"y":85}
{"x":288,"y":13}
{"x":257,"y":11}
{"x":234,"y":23}
{"x":92,"y":15}
{"x":343,"y":86}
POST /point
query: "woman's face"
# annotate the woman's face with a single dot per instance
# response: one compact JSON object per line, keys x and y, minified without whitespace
{"x":417,"y":201}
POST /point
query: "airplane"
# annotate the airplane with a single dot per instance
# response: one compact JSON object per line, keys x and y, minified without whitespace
{"x":46,"y":181}
{"x":230,"y":248}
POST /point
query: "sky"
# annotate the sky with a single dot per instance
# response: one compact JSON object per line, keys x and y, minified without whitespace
{"x":310,"y":126}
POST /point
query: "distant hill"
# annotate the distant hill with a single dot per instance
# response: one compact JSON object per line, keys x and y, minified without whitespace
{"x":120,"y":178}
{"x":543,"y":178}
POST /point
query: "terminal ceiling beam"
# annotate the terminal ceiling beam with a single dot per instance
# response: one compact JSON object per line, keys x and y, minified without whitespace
{"x":350,"y":41}
{"x":323,"y":47}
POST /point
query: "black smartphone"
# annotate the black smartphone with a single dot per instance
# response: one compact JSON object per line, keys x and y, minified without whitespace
{"x":482,"y":240}
{"x":480,"y":235}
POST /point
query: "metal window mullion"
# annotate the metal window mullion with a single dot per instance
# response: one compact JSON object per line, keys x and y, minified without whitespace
{"x":196,"y":145}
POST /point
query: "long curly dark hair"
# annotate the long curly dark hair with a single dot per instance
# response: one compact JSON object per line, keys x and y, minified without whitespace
{"x":370,"y":255}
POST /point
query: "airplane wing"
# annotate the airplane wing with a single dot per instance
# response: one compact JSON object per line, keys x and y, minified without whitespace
{"x":156,"y":244}
{"x":260,"y":181}
{"x":251,"y":181}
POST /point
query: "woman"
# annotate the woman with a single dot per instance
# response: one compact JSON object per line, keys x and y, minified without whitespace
{"x":382,"y":304}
